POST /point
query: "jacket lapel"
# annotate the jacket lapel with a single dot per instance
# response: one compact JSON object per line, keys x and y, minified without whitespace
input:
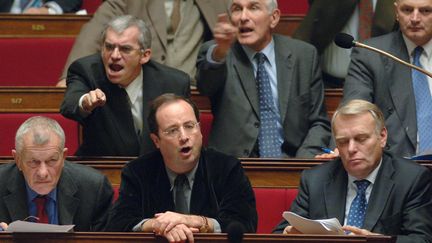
{"x":380,"y":193}
{"x":284,"y":68}
{"x":16,"y":201}
{"x":157,"y":15}
{"x":244,"y":71}
{"x":401,"y":90}
{"x":67,"y":203}
{"x":335,"y":189}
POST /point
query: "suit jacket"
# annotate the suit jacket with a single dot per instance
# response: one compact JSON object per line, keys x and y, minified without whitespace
{"x":84,"y":196}
{"x":152,"y":12}
{"x":109,"y":130}
{"x":388,"y":84}
{"x":68,"y":6}
{"x":235,"y":104}
{"x":399,"y":204}
{"x":325,"y":19}
{"x":221,"y":191}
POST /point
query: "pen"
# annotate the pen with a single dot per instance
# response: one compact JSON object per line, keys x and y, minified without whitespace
{"x":327,"y":150}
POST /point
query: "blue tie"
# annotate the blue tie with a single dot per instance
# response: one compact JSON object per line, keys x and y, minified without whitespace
{"x":423,"y":105}
{"x":24,"y":4}
{"x":269,"y":142}
{"x":359,"y":204}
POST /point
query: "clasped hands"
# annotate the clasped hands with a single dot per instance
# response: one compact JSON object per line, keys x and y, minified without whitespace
{"x":175,"y":227}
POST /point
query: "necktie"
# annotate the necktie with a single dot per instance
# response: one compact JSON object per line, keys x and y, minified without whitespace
{"x":358,"y":206}
{"x":365,"y":19}
{"x":175,"y":16}
{"x":180,"y":198}
{"x":268,"y":139}
{"x":24,"y":4}
{"x":40,"y":202}
{"x":423,"y":105}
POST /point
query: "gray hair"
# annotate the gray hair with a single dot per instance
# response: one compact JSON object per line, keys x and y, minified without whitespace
{"x":271,"y":5}
{"x":40,"y":127}
{"x":121,"y":23}
{"x":357,"y":107}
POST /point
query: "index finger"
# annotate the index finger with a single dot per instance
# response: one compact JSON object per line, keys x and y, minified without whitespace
{"x":223,"y":18}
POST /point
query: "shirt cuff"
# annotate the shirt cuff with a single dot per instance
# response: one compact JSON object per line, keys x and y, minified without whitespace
{"x":216,"y":226}
{"x":209,"y":57}
{"x":83,"y":113}
{"x":138,"y":227}
{"x":53,"y":8}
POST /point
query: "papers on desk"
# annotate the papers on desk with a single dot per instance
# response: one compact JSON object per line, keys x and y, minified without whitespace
{"x":308,"y":226}
{"x":24,"y":226}
{"x":427,"y":156}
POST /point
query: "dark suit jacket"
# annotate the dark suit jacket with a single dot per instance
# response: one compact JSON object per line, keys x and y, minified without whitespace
{"x":235,"y":104}
{"x":109,"y":130}
{"x":84,"y":196}
{"x":152,"y":12}
{"x":67,"y":5}
{"x":221,"y":191}
{"x":325,"y":19}
{"x":400,"y":202}
{"x":386,"y":83}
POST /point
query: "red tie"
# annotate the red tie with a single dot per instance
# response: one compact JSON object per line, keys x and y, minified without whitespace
{"x":41,"y":212}
{"x":365,"y":19}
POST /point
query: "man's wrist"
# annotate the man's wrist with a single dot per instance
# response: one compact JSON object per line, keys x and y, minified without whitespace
{"x":205,"y":227}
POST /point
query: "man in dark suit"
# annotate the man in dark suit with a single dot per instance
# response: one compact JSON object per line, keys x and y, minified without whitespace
{"x":175,"y":48}
{"x":40,"y":7}
{"x":388,"y":84}
{"x":228,"y":74}
{"x":73,"y":193}
{"x":109,"y":93}
{"x":325,"y":19}
{"x":215,"y":191}
{"x":396,"y":193}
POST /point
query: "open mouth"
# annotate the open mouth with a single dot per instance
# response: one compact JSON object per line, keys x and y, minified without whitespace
{"x":185,"y":150}
{"x":245,"y":30}
{"x":116,"y":67}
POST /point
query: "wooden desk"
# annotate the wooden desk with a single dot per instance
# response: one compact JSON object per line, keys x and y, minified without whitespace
{"x":69,"y":25}
{"x":29,"y":25}
{"x":86,"y":237}
{"x":48,"y":99}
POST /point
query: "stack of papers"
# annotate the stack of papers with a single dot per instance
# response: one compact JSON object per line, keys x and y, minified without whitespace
{"x":24,"y":226}
{"x":308,"y":226}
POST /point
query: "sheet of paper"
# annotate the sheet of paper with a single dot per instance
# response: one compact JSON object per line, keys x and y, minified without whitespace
{"x":24,"y":226}
{"x":308,"y":226}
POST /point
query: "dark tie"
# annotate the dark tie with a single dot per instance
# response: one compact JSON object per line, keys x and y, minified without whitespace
{"x":269,"y":138}
{"x":180,"y":184}
{"x":365,"y":19}
{"x":175,"y":16}
{"x":40,"y":202}
{"x":359,"y":204}
{"x":423,"y":105}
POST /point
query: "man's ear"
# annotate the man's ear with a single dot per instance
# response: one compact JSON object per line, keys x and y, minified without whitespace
{"x":155,"y":139}
{"x":16,"y":157}
{"x":145,"y":56}
{"x":275,"y":17}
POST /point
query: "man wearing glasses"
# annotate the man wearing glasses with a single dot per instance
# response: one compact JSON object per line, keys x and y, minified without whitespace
{"x":183,"y":188}
{"x":108,"y":93}
{"x":42,"y":186}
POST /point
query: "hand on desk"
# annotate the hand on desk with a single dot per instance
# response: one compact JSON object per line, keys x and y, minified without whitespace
{"x":3,"y":226}
{"x":357,"y":231}
{"x":333,"y":155}
{"x":291,"y":230}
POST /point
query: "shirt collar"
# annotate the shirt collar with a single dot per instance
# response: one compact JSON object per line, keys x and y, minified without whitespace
{"x":268,"y":51}
{"x":190,"y":176}
{"x":371,"y":177}
{"x":411,"y":46}
{"x":134,"y":88}
{"x":32,"y":194}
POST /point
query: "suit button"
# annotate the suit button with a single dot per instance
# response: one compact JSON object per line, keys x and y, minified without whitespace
{"x":163,"y":57}
{"x":246,"y":152}
{"x":257,"y":124}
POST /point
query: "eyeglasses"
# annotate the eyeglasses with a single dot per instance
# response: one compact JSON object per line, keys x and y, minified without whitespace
{"x":188,"y":127}
{"x":124,"y":50}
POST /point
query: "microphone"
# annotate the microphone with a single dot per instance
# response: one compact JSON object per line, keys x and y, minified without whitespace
{"x":235,"y":232}
{"x":347,"y":41}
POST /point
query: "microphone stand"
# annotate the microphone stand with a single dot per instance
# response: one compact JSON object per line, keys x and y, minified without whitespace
{"x":358,"y":44}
